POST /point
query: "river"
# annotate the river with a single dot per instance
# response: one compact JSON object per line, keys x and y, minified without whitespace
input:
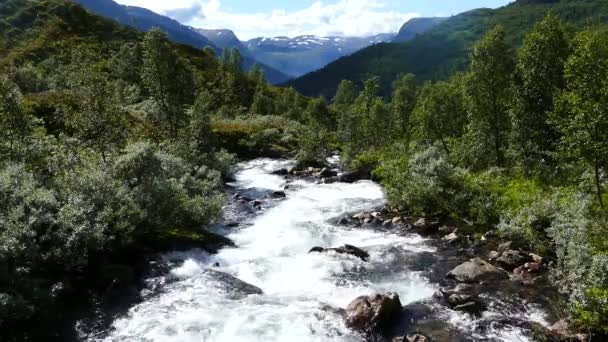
{"x":272,"y":254}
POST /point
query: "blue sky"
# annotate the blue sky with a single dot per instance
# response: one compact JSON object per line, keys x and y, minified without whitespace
{"x":267,"y":18}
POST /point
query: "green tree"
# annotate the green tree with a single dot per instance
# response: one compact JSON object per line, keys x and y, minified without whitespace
{"x":402,"y":104}
{"x":98,"y":118}
{"x":440,"y":112}
{"x":16,"y":125}
{"x":318,"y":112}
{"x":167,"y":79}
{"x":489,"y":95}
{"x":345,"y":95}
{"x":200,"y":124}
{"x":582,"y":109}
{"x":539,"y":77}
{"x":257,"y":74}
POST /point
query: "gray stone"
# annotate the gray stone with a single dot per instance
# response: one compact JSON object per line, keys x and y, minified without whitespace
{"x":476,"y":270}
{"x":373,"y":314}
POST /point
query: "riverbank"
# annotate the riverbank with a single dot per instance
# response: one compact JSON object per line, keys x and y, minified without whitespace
{"x":271,"y":288}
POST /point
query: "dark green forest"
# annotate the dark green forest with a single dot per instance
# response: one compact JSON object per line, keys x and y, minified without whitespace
{"x":446,"y":49}
{"x":115,"y":144}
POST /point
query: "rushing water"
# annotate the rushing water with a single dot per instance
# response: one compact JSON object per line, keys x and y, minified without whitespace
{"x":272,"y":254}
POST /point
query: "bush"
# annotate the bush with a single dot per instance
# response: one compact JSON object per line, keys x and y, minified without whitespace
{"x":168,"y":190}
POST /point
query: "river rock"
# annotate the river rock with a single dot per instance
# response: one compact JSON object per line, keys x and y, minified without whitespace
{"x":354,"y":176}
{"x":476,"y":270}
{"x":279,"y":194}
{"x":412,"y":338}
{"x":503,"y":247}
{"x":236,"y":287}
{"x":471,"y":304}
{"x":281,"y":172}
{"x":325,"y":173}
{"x":512,"y":259}
{"x":373,"y":314}
{"x":346,"y":249}
{"x":493,"y":255}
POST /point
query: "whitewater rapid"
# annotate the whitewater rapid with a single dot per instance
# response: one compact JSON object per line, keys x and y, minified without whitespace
{"x":272,"y":254}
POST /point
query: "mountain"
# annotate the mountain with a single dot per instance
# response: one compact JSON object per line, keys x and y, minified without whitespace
{"x":300,"y":55}
{"x":445,"y":49}
{"x":416,"y":26}
{"x":144,"y":20}
{"x":224,"y":39}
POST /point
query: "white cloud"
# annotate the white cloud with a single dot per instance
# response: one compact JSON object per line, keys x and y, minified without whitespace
{"x":345,"y":17}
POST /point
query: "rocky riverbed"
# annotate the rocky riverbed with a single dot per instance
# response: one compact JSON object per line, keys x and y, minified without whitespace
{"x":317,"y":256}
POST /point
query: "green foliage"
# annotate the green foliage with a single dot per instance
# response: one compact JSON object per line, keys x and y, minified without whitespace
{"x":403,"y":102}
{"x":581,"y":113}
{"x":488,"y":97}
{"x":539,"y":77}
{"x":168,"y":80}
{"x":593,"y":313}
{"x":440,"y":113}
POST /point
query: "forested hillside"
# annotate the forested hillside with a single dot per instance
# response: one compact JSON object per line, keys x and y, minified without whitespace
{"x":445,"y":49}
{"x":113,"y":145}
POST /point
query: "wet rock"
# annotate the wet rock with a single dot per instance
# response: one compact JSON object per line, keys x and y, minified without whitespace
{"x":493,"y":255}
{"x":325,"y":173}
{"x":451,"y":238}
{"x":344,"y":221}
{"x":503,"y":247}
{"x":412,"y":338}
{"x":511,"y":259}
{"x":397,"y":220}
{"x":425,"y":226}
{"x":346,"y":249}
{"x":476,"y":270}
{"x":373,"y":314}
{"x":387,"y":223}
{"x":536,"y":258}
{"x":279,"y":194}
{"x":236,"y":287}
{"x":525,"y":274}
{"x":281,"y":172}
{"x":256,"y":203}
{"x":354,"y":176}
{"x":469,"y":303}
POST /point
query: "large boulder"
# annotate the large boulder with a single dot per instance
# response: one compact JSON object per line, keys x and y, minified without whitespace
{"x":234,"y":286}
{"x":373,"y":314}
{"x":476,"y":270}
{"x":346,"y":249}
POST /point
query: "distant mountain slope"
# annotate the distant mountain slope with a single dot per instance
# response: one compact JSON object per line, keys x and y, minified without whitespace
{"x":144,"y":20}
{"x":445,"y":48}
{"x":416,"y":26}
{"x":224,"y":39}
{"x":300,"y":55}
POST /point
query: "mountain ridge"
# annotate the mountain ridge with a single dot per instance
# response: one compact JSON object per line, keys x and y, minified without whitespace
{"x":144,"y":20}
{"x":445,"y":48}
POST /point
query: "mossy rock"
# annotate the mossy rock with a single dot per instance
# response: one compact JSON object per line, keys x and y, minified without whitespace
{"x":182,"y":239}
